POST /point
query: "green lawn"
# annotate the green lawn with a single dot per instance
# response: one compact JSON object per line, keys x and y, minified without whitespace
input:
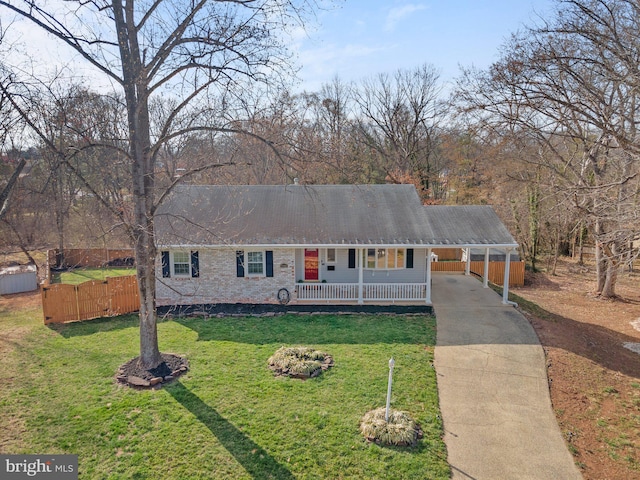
{"x":80,"y":275}
{"x":228,"y":417}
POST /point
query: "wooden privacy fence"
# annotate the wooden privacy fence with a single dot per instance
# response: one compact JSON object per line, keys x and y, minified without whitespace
{"x":94,"y":299}
{"x":496,"y":270}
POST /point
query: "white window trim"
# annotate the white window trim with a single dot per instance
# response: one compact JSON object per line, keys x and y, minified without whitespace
{"x":264,"y":263}
{"x":335,"y":256}
{"x":365,"y":259}
{"x":173,"y":264}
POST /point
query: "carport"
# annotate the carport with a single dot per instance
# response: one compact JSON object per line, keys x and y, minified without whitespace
{"x":469,"y":227}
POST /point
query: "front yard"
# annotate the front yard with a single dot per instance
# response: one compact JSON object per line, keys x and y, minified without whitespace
{"x":228,"y":417}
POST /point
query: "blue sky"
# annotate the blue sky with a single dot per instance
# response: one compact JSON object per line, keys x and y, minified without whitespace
{"x":361,"y":38}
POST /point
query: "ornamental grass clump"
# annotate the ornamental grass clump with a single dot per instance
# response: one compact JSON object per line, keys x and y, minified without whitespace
{"x":299,"y":362}
{"x":400,"y":430}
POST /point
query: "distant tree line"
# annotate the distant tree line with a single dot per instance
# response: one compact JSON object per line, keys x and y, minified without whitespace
{"x":547,"y":134}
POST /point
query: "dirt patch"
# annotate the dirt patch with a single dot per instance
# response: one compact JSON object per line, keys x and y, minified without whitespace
{"x":17,"y":301}
{"x":594,"y":377}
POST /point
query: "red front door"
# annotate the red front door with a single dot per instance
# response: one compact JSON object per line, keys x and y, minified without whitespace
{"x":311,"y":264}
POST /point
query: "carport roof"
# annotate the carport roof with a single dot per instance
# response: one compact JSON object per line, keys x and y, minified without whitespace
{"x":467,"y":225}
{"x":322,"y":215}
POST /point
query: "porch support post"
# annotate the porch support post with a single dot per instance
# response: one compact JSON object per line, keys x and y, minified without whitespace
{"x":485,"y":279}
{"x":428,"y":299}
{"x":360,"y":263}
{"x":467,"y":268}
{"x":505,"y":284}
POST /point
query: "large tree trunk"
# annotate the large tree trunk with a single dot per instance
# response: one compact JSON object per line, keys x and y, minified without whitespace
{"x":144,"y":238}
{"x":145,"y":262}
{"x":143,"y":174}
{"x":533,"y":197}
{"x":611,"y":277}
{"x":59,"y":214}
{"x":601,"y":267}
{"x":143,"y":233}
{"x":556,"y":253}
{"x":611,"y":273}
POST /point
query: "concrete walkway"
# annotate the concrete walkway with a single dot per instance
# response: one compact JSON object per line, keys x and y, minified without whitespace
{"x":492,"y":383}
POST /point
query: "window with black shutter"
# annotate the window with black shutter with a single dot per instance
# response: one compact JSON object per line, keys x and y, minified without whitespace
{"x":409,"y":257}
{"x":195,"y":264}
{"x":166,"y":264}
{"x":352,"y":258}
{"x":240,"y":263}
{"x":269,"y":263}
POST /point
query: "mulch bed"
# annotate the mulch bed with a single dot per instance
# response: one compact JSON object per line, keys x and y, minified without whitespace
{"x":132,"y":374}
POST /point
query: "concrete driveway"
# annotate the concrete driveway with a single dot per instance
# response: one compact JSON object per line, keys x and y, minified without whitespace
{"x":492,"y":384}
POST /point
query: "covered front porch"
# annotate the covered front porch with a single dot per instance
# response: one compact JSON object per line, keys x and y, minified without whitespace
{"x":375,"y":274}
{"x":322,"y":277}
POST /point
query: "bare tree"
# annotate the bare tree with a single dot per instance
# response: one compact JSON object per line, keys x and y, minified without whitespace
{"x":398,"y":117}
{"x":572,"y":85}
{"x":9,"y":124}
{"x":189,"y":51}
{"x":333,"y":126}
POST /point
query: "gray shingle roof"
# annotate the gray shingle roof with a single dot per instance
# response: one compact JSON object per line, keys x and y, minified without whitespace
{"x":205,"y":215}
{"x":467,"y":225}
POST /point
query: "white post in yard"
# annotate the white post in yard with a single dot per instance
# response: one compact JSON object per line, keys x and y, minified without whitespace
{"x":391,"y":365}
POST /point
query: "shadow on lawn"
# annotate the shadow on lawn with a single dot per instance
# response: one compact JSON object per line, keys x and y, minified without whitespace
{"x":253,"y":458}
{"x":286,"y":329}
{"x":97,"y":325}
{"x":315,"y":329}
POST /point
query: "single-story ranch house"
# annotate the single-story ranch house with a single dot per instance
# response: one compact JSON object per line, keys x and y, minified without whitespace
{"x":336,"y":244}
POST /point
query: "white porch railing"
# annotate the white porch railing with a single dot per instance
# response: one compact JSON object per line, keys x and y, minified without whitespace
{"x":371,"y":292}
{"x":327,"y":291}
{"x":390,"y":292}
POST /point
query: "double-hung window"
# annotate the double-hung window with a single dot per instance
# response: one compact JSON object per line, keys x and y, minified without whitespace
{"x":255,"y":263}
{"x":385,"y":258}
{"x":181,"y":264}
